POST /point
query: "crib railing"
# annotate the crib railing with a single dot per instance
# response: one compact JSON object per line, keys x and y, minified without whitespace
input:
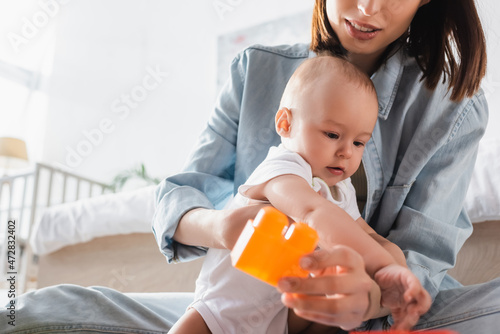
{"x":22,"y":199}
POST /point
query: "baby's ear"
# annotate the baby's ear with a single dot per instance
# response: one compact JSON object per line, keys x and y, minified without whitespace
{"x":283,"y":122}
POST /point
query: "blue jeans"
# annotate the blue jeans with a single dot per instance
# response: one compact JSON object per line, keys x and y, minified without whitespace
{"x":70,"y":308}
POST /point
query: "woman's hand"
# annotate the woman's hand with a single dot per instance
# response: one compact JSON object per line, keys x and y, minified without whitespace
{"x":338,"y":293}
{"x":232,"y":222}
{"x":214,"y":228}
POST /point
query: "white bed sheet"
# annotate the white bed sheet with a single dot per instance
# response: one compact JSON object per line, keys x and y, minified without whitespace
{"x":71,"y":223}
{"x":483,"y":196}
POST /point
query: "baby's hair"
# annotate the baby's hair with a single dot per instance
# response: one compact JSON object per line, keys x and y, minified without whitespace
{"x":313,"y":69}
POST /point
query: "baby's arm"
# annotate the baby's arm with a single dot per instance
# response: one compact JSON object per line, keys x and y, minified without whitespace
{"x":401,"y":291}
{"x":293,"y":196}
{"x":393,"y":249}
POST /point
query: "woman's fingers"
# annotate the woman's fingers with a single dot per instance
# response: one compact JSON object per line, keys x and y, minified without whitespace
{"x":325,"y":285}
{"x":337,"y":293}
{"x":339,"y":270}
{"x":334,"y":304}
{"x":338,"y":310}
{"x":328,"y":259}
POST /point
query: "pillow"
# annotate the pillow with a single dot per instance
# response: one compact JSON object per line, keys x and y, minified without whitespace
{"x":482,"y":201}
{"x":80,"y":221}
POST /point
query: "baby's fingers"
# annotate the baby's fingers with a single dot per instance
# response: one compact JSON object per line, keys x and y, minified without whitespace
{"x":407,"y":316}
{"x":418,"y":302}
{"x":404,"y":318}
{"x":406,"y":323}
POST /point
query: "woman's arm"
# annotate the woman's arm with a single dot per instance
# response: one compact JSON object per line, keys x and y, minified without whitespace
{"x":214,"y":228}
{"x":236,"y":139}
{"x":206,"y":183}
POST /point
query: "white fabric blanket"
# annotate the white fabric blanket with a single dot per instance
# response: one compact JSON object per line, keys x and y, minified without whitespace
{"x":483,"y":197}
{"x":81,"y":221}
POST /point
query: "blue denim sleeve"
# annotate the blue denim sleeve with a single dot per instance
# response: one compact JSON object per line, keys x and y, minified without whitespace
{"x":208,"y":176}
{"x":432,"y":225}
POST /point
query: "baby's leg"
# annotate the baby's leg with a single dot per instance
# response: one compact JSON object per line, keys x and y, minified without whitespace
{"x":297,"y":325}
{"x":191,"y":322}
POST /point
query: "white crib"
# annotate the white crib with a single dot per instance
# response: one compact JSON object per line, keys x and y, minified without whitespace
{"x":22,"y":198}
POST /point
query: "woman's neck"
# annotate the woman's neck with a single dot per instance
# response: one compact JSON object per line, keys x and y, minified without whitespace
{"x":366,"y":63}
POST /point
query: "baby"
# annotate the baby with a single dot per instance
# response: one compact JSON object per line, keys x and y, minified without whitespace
{"x":326,"y":116}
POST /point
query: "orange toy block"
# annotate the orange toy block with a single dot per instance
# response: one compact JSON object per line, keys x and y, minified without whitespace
{"x":269,"y":248}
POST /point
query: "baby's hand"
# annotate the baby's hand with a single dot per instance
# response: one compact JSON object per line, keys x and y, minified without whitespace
{"x":403,"y":294}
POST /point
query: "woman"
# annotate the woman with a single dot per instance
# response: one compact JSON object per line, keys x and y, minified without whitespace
{"x":418,"y":165}
{"x":426,"y":59}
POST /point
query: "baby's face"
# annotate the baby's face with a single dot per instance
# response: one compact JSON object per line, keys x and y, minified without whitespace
{"x":330,"y":127}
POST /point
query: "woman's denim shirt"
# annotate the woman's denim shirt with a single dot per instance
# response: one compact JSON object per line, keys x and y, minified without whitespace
{"x":418,"y":162}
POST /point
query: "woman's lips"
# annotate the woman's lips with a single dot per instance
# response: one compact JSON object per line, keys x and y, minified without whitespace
{"x":361,"y":31}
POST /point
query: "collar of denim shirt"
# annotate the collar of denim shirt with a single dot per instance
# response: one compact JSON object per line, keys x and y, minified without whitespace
{"x":387,"y":79}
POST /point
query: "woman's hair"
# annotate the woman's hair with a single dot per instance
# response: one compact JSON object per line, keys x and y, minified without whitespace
{"x":445,"y":37}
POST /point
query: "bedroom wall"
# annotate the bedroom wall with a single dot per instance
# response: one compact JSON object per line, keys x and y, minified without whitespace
{"x":490,"y":11}
{"x":134,"y":81}
{"x":128,"y":82}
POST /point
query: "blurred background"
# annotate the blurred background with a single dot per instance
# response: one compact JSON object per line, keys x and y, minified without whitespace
{"x":101,"y":87}
{"x":117,"y":91}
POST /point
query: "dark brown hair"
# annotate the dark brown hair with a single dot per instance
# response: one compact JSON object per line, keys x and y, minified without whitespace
{"x":445,"y":37}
